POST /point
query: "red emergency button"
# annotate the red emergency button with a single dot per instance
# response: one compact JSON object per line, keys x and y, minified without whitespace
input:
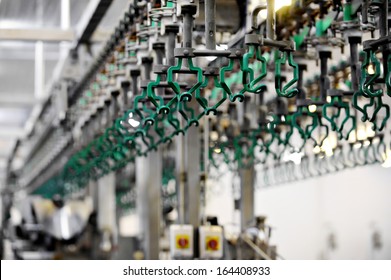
{"x":213,"y":244}
{"x":183,"y":242}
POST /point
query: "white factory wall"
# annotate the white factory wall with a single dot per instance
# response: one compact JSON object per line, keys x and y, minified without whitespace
{"x":345,"y":208}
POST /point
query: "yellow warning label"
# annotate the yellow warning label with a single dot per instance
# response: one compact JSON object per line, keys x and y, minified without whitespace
{"x":212,"y":243}
{"x":182,"y":241}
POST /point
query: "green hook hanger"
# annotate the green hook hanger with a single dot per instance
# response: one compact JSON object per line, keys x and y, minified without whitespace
{"x":368,"y":78}
{"x":251,"y":83}
{"x":280,"y":59}
{"x":204,"y":102}
{"x":338,"y":104}
{"x":226,"y":83}
{"x":187,"y":95}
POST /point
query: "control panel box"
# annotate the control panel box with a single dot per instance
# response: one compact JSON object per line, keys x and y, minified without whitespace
{"x":211,"y":242}
{"x":181,"y":241}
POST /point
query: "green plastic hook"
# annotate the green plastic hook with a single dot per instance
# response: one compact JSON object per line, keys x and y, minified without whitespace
{"x":370,"y":72}
{"x":280,"y":59}
{"x":204,"y":102}
{"x":226,"y":84}
{"x":253,"y":84}
{"x":184,"y":96}
{"x":338,"y":104}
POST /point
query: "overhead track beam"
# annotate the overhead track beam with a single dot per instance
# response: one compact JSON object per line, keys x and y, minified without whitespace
{"x":41,"y":34}
{"x":90,"y":20}
{"x":8,"y":99}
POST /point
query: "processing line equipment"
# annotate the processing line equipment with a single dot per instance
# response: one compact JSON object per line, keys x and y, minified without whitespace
{"x":178,"y":96}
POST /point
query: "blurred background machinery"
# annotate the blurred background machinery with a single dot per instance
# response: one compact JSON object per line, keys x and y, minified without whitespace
{"x":155,"y":129}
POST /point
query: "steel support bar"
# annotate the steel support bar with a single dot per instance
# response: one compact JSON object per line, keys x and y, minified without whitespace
{"x":384,"y":31}
{"x":148,"y":181}
{"x":210,"y":24}
{"x":180,"y":176}
{"x":188,"y":22}
{"x":171,"y":38}
{"x":39,"y":73}
{"x":90,"y":20}
{"x":106,"y":216}
{"x":106,"y":203}
{"x":247,"y":176}
{"x":271,"y":20}
{"x":193,"y":187}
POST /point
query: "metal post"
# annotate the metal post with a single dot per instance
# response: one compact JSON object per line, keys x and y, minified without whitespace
{"x":324,"y":56}
{"x":247,"y":176}
{"x":159,"y":50}
{"x":210,"y":24}
{"x":148,"y":182}
{"x":171,"y":38}
{"x":210,"y":38}
{"x":191,"y":190}
{"x":384,"y":30}
{"x":147,"y":63}
{"x":65,"y":15}
{"x":134,"y":77}
{"x":93,"y":193}
{"x":271,"y":20}
{"x":39,"y":70}
{"x":125,"y":85}
{"x":106,"y":211}
{"x":301,"y":95}
{"x":188,"y":30}
{"x":180,"y":176}
{"x":149,"y":201}
{"x":206,"y":146}
{"x":193,"y":187}
{"x":353,"y":43}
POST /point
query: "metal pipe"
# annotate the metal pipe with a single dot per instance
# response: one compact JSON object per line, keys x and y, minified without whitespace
{"x":147,"y":63}
{"x":170,"y":48}
{"x":301,"y":95}
{"x":324,"y":56}
{"x":188,"y":30}
{"x":115,"y":107}
{"x":353,"y":65}
{"x":39,"y":79}
{"x":210,"y":40}
{"x":383,"y":29}
{"x":159,"y":61}
{"x":65,"y":15}
{"x":247,"y":180}
{"x":180,"y":176}
{"x":365,"y":6}
{"x":125,"y":90}
{"x":254,"y":15}
{"x":210,"y":24}
{"x":256,"y":249}
{"x":206,"y":146}
{"x":271,"y":20}
{"x":134,"y":85}
{"x":159,"y":56}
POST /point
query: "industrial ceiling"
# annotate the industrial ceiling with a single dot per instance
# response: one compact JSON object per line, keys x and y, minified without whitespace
{"x":24,"y":24}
